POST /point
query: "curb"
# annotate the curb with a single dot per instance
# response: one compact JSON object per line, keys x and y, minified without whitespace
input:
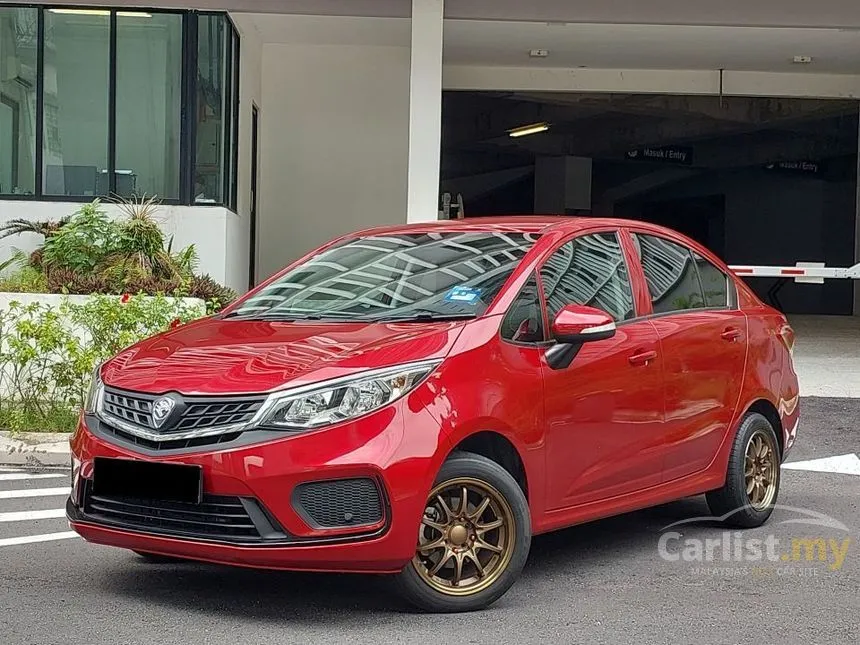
{"x":34,"y":449}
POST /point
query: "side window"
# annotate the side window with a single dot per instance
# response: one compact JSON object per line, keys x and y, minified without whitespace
{"x":670,"y":272}
{"x":715,"y":283}
{"x":589,"y":270}
{"x":524,"y":320}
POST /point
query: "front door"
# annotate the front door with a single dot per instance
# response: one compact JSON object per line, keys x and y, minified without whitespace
{"x":604,"y":412}
{"x":703,"y":343}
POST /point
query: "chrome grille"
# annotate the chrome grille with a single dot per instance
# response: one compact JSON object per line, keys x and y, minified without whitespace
{"x":131,"y":408}
{"x":192,"y":415}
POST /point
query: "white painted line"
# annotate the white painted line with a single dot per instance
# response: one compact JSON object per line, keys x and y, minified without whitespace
{"x":12,"y":477}
{"x":843,"y":464}
{"x":35,"y":492}
{"x":30,"y":539}
{"x":22,"y":516}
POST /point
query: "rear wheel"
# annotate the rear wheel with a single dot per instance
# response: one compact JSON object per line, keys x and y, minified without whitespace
{"x":473,"y":540}
{"x":752,"y":480}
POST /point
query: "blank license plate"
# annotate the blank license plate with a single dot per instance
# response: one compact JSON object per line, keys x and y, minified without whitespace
{"x":147,"y":480}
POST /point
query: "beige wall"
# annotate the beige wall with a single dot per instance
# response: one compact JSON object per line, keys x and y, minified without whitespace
{"x":334,"y":145}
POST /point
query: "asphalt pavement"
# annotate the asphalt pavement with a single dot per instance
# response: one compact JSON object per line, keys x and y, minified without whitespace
{"x":605,"y":582}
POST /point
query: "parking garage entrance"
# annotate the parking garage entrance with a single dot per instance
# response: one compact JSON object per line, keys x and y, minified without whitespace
{"x":766,"y":181}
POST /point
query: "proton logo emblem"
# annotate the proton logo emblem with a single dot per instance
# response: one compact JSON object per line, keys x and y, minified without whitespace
{"x":161,"y":409}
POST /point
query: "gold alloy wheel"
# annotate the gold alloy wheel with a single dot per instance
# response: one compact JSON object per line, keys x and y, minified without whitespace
{"x":467,"y":537}
{"x":760,"y":470}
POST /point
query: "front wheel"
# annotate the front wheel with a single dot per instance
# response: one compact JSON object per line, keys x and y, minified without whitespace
{"x":473,"y":540}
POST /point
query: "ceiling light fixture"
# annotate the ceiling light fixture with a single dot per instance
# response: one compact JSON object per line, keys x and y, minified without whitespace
{"x":101,"y":12}
{"x":525,"y":130}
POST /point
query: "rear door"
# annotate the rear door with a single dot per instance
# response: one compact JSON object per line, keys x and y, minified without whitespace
{"x":703,"y":341}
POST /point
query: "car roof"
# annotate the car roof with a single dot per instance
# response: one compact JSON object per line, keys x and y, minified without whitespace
{"x":508,"y":223}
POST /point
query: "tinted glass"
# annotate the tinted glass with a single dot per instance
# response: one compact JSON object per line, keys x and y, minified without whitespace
{"x":673,"y":281}
{"x":589,"y":270}
{"x":212,"y":109}
{"x":395,"y":277}
{"x":524,"y":320}
{"x":77,"y":68}
{"x":18,"y":36}
{"x":148,"y":103}
{"x":714,"y":283}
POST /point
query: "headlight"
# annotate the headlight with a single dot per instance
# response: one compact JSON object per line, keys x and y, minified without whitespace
{"x":343,"y":399}
{"x":94,"y":395}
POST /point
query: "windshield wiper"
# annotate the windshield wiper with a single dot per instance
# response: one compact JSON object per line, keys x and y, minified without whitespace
{"x":426,"y":316}
{"x":283,"y":317}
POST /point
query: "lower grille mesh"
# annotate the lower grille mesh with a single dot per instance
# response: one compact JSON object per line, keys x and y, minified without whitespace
{"x":339,"y":502}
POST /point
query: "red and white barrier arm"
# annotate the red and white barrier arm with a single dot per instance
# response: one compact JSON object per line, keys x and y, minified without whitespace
{"x":812,"y":272}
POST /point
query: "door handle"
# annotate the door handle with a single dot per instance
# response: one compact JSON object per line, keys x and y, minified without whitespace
{"x":642,"y":358}
{"x":731,"y":334}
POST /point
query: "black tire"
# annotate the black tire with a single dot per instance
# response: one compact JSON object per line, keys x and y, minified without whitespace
{"x":731,"y":502}
{"x":417,"y":591}
{"x":155,"y":558}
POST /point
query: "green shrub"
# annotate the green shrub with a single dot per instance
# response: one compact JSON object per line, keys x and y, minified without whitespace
{"x":47,"y":354}
{"x":90,"y":253}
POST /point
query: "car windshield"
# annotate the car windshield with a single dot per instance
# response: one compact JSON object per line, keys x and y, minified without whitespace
{"x":411,"y":276}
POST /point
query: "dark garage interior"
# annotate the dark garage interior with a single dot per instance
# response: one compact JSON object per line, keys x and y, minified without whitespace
{"x":761,"y":181}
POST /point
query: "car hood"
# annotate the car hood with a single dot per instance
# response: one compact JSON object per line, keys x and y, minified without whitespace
{"x":214,"y":356}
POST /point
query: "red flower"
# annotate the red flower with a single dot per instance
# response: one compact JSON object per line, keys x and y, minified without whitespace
{"x":175,"y":323}
{"x":125,"y":298}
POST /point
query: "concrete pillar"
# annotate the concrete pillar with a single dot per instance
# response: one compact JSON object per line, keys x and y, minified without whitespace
{"x":562,"y":184}
{"x":425,"y":111}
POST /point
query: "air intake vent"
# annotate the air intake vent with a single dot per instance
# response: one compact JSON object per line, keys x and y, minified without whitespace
{"x":339,"y":503}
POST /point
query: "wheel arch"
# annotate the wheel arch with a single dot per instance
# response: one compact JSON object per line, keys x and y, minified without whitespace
{"x":768,"y":410}
{"x":496,"y":447}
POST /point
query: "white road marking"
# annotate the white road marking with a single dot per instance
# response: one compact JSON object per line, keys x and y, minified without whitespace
{"x":11,"y":477}
{"x":35,"y":492}
{"x":21,"y":516}
{"x":843,"y":464}
{"x":30,"y":539}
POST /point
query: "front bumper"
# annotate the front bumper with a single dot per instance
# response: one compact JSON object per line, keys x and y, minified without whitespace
{"x":258,"y":484}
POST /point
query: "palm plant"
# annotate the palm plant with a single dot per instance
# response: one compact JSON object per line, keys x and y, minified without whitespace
{"x":19,"y":225}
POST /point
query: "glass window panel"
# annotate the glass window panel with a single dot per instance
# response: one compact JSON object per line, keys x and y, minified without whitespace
{"x":148,"y":103}
{"x":211,"y":109}
{"x":673,"y":281}
{"x":18,"y":47}
{"x":715,"y":283}
{"x":588,"y":270}
{"x":524,"y":320}
{"x":77,"y":69}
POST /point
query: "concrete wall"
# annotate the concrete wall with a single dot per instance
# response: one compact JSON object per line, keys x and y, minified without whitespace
{"x":334,"y":145}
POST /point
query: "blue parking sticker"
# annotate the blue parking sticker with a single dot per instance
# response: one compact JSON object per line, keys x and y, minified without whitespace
{"x":465,"y":295}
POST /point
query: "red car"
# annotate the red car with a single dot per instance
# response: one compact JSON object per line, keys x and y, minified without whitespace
{"x":421,"y":400}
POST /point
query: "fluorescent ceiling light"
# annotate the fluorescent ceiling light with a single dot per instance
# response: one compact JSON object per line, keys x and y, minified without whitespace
{"x":102,"y":12}
{"x":529,"y":129}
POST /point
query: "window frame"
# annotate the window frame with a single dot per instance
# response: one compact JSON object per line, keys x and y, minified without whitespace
{"x":731,"y":287}
{"x":187,"y":129}
{"x":622,"y":244}
{"x":544,"y":314}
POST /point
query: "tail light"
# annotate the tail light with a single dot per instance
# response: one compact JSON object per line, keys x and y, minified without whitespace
{"x":786,"y":333}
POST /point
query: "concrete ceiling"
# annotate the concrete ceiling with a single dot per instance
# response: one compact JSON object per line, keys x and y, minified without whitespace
{"x":771,"y":13}
{"x":595,"y":46}
{"x":615,"y":46}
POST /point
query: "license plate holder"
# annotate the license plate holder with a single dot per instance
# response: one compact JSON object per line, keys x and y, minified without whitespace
{"x":147,"y":480}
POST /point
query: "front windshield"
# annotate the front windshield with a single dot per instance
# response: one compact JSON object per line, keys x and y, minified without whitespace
{"x":394,"y":277}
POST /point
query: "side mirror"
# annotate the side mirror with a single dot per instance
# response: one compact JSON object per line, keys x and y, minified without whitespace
{"x":576,"y":324}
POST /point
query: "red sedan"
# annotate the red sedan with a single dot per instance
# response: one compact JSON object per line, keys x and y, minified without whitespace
{"x":421,"y":400}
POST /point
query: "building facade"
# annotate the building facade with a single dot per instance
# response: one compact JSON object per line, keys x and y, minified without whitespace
{"x":267,"y":127}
